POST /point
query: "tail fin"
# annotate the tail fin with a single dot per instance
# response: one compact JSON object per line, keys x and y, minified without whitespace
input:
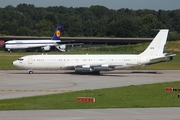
{"x":57,"y":33}
{"x":156,"y":47}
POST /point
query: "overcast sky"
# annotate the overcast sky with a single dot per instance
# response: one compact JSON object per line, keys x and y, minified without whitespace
{"x":111,"y":4}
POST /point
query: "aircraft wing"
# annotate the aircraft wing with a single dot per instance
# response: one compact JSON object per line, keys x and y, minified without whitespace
{"x":92,"y":67}
{"x":67,"y":41}
{"x":74,"y":44}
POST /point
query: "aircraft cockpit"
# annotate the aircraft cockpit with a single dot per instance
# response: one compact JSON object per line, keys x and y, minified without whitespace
{"x":20,"y":59}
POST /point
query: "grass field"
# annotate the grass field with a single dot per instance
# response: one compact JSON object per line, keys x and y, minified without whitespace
{"x":141,"y":96}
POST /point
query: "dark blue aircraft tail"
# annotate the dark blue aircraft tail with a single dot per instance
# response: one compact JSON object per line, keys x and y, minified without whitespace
{"x":57,"y":33}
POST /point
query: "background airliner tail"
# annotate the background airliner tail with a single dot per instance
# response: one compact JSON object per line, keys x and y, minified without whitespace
{"x":57,"y":33}
{"x":156,"y":47}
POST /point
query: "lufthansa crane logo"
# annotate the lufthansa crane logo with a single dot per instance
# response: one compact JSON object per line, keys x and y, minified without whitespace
{"x":58,"y":33}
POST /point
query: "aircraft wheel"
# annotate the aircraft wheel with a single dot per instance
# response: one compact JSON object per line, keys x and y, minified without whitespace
{"x":30,"y":72}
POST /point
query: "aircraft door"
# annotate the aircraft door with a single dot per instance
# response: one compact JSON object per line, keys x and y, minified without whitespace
{"x":30,"y":60}
{"x":139,"y":60}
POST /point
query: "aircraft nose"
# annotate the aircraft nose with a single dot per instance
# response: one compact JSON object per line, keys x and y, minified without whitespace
{"x":18,"y":64}
{"x":15,"y":63}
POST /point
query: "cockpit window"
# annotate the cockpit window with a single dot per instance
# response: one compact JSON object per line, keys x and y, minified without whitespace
{"x":20,"y":59}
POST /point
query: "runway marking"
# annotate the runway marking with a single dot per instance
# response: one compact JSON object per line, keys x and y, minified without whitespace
{"x":73,"y":84}
{"x":37,"y":90}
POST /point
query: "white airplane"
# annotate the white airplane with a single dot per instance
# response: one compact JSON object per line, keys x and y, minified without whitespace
{"x":45,"y":45}
{"x":96,"y":63}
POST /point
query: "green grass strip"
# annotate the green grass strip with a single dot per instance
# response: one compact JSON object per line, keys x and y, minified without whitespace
{"x":140,"y":96}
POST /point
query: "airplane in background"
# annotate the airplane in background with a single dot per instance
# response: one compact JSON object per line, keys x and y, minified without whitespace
{"x":96,"y":63}
{"x":45,"y":45}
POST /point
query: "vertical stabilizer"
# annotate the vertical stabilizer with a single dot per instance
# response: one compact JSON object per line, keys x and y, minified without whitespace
{"x":156,"y":47}
{"x":57,"y":33}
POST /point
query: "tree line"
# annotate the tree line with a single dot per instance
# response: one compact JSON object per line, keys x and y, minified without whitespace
{"x":93,"y":21}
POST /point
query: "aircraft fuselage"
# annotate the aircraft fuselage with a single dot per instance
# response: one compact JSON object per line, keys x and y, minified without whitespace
{"x":25,"y":44}
{"x":85,"y":61}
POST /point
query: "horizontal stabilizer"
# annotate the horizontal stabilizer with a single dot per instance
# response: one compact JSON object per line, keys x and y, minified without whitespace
{"x":162,"y":59}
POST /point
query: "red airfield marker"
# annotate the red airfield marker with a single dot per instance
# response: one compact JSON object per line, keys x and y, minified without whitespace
{"x":85,"y":99}
{"x":169,"y":89}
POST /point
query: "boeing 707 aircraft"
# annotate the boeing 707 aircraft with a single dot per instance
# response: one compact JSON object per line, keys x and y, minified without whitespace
{"x":45,"y":45}
{"x":96,"y":63}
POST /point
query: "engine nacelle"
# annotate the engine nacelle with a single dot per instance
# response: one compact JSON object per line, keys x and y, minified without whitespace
{"x":81,"y":69}
{"x":46,"y":48}
{"x":61,"y":47}
{"x":103,"y":69}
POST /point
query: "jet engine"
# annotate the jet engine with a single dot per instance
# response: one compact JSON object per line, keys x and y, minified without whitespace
{"x":81,"y":69}
{"x":92,"y":69}
{"x":103,"y":69}
{"x":46,"y":48}
{"x":61,"y":47}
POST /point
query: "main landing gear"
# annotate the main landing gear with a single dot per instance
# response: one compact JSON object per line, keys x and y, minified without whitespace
{"x":96,"y":73}
{"x":30,"y":71}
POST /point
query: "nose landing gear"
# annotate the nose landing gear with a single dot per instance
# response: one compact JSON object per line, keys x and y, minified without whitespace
{"x":30,"y":71}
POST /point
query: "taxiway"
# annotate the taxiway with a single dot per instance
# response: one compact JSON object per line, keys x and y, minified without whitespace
{"x":18,"y":83}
